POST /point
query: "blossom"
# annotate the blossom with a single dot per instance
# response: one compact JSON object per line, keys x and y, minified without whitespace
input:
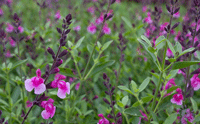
{"x":106,"y":29}
{"x":9,"y":28}
{"x":50,"y":109}
{"x":118,"y":1}
{"x":145,"y":116}
{"x":12,"y":42}
{"x":177,"y":98}
{"x":148,"y":18}
{"x":77,"y":28}
{"x":176,"y":15}
{"x":169,"y":53}
{"x":8,"y":54}
{"x":1,"y":12}
{"x":57,"y":15}
{"x":195,"y":82}
{"x":36,"y":83}
{"x":91,"y":10}
{"x":187,"y":116}
{"x":100,"y":19}
{"x":144,"y":9}
{"x":77,"y":86}
{"x":92,"y":28}
{"x":21,"y":29}
{"x":103,"y":120}
{"x":63,"y":88}
{"x":58,"y":77}
{"x":170,"y":83}
{"x":28,"y":104}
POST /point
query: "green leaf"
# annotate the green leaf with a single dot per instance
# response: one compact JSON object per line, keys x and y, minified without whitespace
{"x":133,"y":111}
{"x":125,"y":100}
{"x":172,"y":89}
{"x":127,"y":22}
{"x":120,"y":104}
{"x":125,"y":89}
{"x":159,"y":40}
{"x":2,"y":102}
{"x":88,"y":112}
{"x":172,"y":74}
{"x":154,"y":122}
{"x":79,"y":42}
{"x":102,"y":66}
{"x":70,"y":44}
{"x":89,"y":48}
{"x":178,"y":48}
{"x":136,"y":104}
{"x":147,"y":99}
{"x":146,"y":39}
{"x":186,"y":51}
{"x":171,"y":119}
{"x":198,"y":54}
{"x":106,"y":45}
{"x":184,"y":64}
{"x":144,"y":84}
{"x":134,"y":86}
{"x":18,"y":63}
{"x":194,"y":104}
{"x":197,"y":118}
{"x":67,"y":72}
{"x":151,"y":49}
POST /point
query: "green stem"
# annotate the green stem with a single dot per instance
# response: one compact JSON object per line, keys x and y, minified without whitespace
{"x":141,"y":105}
{"x":126,"y":118}
{"x":78,"y":70}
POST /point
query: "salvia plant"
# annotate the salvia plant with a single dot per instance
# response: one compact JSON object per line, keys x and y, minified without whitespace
{"x":99,"y":61}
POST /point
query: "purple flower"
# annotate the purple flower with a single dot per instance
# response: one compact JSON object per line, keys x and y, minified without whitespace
{"x":12,"y":42}
{"x":77,"y":86}
{"x":170,"y":83}
{"x":103,"y":120}
{"x":195,"y":82}
{"x":188,"y":116}
{"x":91,"y":10}
{"x":21,"y":29}
{"x":92,"y":28}
{"x":9,"y":28}
{"x":28,"y":104}
{"x":57,"y":15}
{"x":177,"y":98}
{"x":145,"y":116}
{"x":8,"y":54}
{"x":36,"y":83}
{"x":1,"y":12}
{"x":176,"y":15}
{"x":106,"y":29}
{"x":169,"y":53}
{"x":58,"y":77}
{"x":100,"y":19}
{"x":50,"y":109}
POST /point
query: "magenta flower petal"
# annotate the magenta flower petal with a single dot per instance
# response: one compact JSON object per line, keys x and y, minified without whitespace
{"x":38,"y":73}
{"x":45,"y":114}
{"x":29,"y":85}
{"x":68,"y":88}
{"x":40,"y":88}
{"x":54,"y":110}
{"x":61,"y":93}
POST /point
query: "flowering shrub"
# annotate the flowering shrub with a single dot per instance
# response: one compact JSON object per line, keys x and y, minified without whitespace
{"x":99,"y":61}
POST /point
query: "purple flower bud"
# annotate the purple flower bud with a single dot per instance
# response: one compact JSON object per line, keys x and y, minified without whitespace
{"x":119,"y":114}
{"x":106,"y":101}
{"x":50,"y":51}
{"x":15,"y":17}
{"x":104,"y":76}
{"x":63,"y":53}
{"x":110,"y":116}
{"x":55,"y":70}
{"x":67,"y":31}
{"x":107,"y":92}
{"x":113,"y":1}
{"x":105,"y":15}
{"x":59,"y":30}
{"x":23,"y":114}
{"x":58,"y":62}
{"x":95,"y":97}
{"x":110,"y":16}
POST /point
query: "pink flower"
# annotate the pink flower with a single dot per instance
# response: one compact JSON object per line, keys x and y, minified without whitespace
{"x":188,"y":116}
{"x":91,"y":10}
{"x":176,"y":15}
{"x":58,"y":77}
{"x":8,"y":54}
{"x":177,"y":98}
{"x":148,"y":18}
{"x":169,"y":53}
{"x":12,"y":42}
{"x":100,"y":19}
{"x":144,"y":9}
{"x":145,"y":116}
{"x":118,"y":1}
{"x":177,"y":36}
{"x":9,"y":28}
{"x":77,"y":28}
{"x":92,"y":28}
{"x":106,"y":29}
{"x":170,"y":83}
{"x":50,"y":109}
{"x":36,"y":83}
{"x":71,"y":80}
{"x":9,"y":1}
{"x":57,"y":15}
{"x":103,"y":120}
{"x":21,"y":29}
{"x":94,"y":0}
{"x":162,"y":27}
{"x":28,"y":104}
{"x":63,"y":88}
{"x":1,"y":12}
{"x":195,"y":82}
{"x":77,"y":86}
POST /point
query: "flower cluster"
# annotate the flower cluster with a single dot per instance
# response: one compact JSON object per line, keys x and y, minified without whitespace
{"x":177,"y":98}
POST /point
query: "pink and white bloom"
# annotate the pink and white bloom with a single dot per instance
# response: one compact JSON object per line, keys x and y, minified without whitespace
{"x":177,"y":98}
{"x":100,"y":19}
{"x":21,"y":29}
{"x":77,"y":86}
{"x":176,"y":15}
{"x":77,"y":28}
{"x":169,"y":53}
{"x":92,"y":28}
{"x":57,"y":15}
{"x":9,"y":28}
{"x":195,"y":82}
{"x":63,"y":88}
{"x":58,"y":77}
{"x":148,"y":18}
{"x":118,"y":1}
{"x":106,"y":29}
{"x":50,"y":109}
{"x":12,"y":42}
{"x":91,"y":10}
{"x":145,"y":116}
{"x":36,"y":83}
{"x":188,"y":116}
{"x":29,"y":104}
{"x":170,"y":83}
{"x":144,"y":9}
{"x":103,"y":120}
